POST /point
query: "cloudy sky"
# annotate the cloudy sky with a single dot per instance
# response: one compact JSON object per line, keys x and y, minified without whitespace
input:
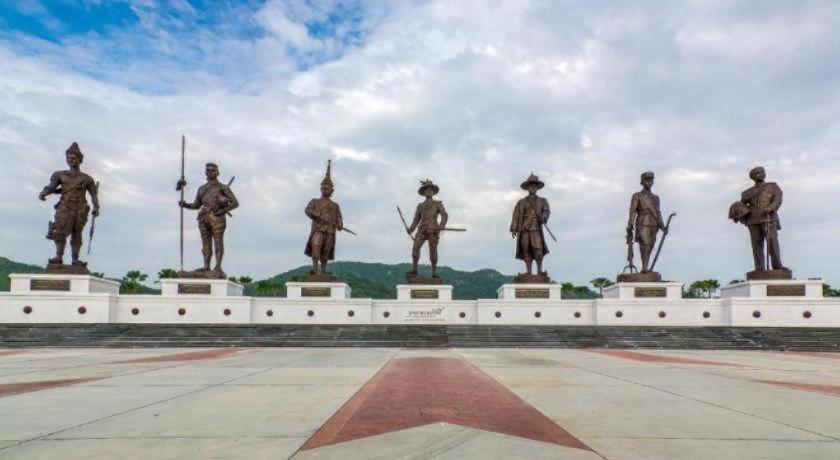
{"x":472,"y":94}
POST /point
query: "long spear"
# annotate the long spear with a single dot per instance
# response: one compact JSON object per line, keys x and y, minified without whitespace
{"x":180,"y":187}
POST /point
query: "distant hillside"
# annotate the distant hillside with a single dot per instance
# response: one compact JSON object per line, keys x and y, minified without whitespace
{"x":368,"y":280}
{"x":8,"y":267}
{"x":379,"y":281}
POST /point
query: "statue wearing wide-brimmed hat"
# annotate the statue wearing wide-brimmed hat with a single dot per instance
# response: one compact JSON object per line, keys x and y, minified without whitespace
{"x":429,"y":219}
{"x":71,"y":212}
{"x":530,"y":215}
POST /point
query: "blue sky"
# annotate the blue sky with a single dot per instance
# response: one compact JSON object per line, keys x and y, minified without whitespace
{"x":473,"y":94}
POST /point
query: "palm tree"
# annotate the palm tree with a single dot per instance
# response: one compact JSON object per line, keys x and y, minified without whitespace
{"x":167,"y":273}
{"x":131,"y":281}
{"x":735,"y":281}
{"x":708,"y":286}
{"x":600,"y":283}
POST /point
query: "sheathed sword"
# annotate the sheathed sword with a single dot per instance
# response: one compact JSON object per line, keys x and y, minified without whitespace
{"x":92,"y":225}
{"x":540,"y":221}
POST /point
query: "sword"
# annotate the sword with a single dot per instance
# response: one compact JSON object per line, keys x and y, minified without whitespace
{"x":451,"y":229}
{"x":630,"y":268}
{"x":661,"y":242}
{"x":343,"y":229}
{"x":540,"y":221}
{"x":404,"y":222}
{"x":229,"y":184}
{"x":92,"y":225}
{"x":767,"y":223}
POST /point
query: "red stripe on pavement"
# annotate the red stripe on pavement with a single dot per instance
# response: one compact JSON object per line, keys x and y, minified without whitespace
{"x":833,"y":390}
{"x":9,"y":389}
{"x":413,"y":392}
{"x":636,"y":356}
{"x":191,"y":356}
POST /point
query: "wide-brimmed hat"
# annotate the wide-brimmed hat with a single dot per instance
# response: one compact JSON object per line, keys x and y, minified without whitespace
{"x":532,"y":179}
{"x":424,"y":184}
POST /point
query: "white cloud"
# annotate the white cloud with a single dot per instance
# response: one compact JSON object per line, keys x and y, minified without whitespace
{"x":474,"y":95}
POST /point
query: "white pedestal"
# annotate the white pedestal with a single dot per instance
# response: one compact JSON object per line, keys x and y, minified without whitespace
{"x":530,"y":292}
{"x":51,"y":284}
{"x":773,"y":289}
{"x":200,"y":287}
{"x":317,"y":291}
{"x":421,"y":292}
{"x":649,"y":291}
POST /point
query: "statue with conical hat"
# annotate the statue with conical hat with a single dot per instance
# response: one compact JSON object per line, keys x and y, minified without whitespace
{"x":326,"y":221}
{"x":214,"y":201}
{"x":429,"y":220}
{"x":758,"y":210}
{"x":71,"y":212}
{"x":530,"y":214}
{"x":644,"y":221}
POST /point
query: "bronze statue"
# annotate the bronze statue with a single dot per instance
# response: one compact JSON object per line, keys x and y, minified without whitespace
{"x":214,"y":200}
{"x":71,"y":212}
{"x":429,"y":220}
{"x":326,"y":221}
{"x":758,"y":209}
{"x":530,"y":215}
{"x":645,"y":222}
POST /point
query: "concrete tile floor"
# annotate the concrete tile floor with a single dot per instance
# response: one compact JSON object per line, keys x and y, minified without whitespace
{"x":266,"y":403}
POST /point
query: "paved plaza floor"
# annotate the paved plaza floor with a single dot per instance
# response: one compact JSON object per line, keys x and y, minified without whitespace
{"x":322,"y":403}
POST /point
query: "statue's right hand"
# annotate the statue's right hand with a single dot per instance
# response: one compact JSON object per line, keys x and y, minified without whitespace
{"x":182,"y":203}
{"x":513,"y":235}
{"x":180,"y":184}
{"x":42,"y":196}
{"x":408,"y":231}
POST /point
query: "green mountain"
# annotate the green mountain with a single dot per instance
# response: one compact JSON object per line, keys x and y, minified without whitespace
{"x":368,"y":280}
{"x":8,"y":267}
{"x":379,"y":281}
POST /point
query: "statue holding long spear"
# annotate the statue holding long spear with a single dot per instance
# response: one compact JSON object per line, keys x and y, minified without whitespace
{"x":214,"y":201}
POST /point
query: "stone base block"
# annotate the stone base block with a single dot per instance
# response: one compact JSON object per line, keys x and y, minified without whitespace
{"x":650,"y":291}
{"x":763,"y":289}
{"x":439,"y":292}
{"x":50,"y":284}
{"x":61,"y":269}
{"x":776,"y":274}
{"x":203,"y":274}
{"x":530,"y":292}
{"x":646,"y":277}
{"x":317,"y":291}
{"x":183,"y":309}
{"x":267,"y":310}
{"x":443,"y":312}
{"x":194,"y":286}
{"x":524,"y":278}
{"x":417,"y":279}
{"x":320,"y":278}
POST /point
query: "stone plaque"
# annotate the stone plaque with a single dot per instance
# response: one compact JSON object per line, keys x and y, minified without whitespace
{"x":531,"y":294}
{"x":194,"y":288}
{"x":426,"y":314}
{"x":315,"y":292}
{"x":49,"y":285}
{"x":650,"y":292}
{"x":779,"y":290}
{"x":425,"y":294}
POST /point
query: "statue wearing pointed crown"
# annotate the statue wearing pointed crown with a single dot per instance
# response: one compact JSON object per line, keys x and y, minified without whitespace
{"x":326,"y":221}
{"x":71,"y":212}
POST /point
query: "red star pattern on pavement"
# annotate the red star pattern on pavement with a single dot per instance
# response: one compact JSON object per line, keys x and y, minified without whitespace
{"x":412,"y":392}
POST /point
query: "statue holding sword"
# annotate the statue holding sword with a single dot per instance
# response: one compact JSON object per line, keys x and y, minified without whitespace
{"x":429,"y":220}
{"x":644,"y":222}
{"x":326,"y":221}
{"x":530,"y":217}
